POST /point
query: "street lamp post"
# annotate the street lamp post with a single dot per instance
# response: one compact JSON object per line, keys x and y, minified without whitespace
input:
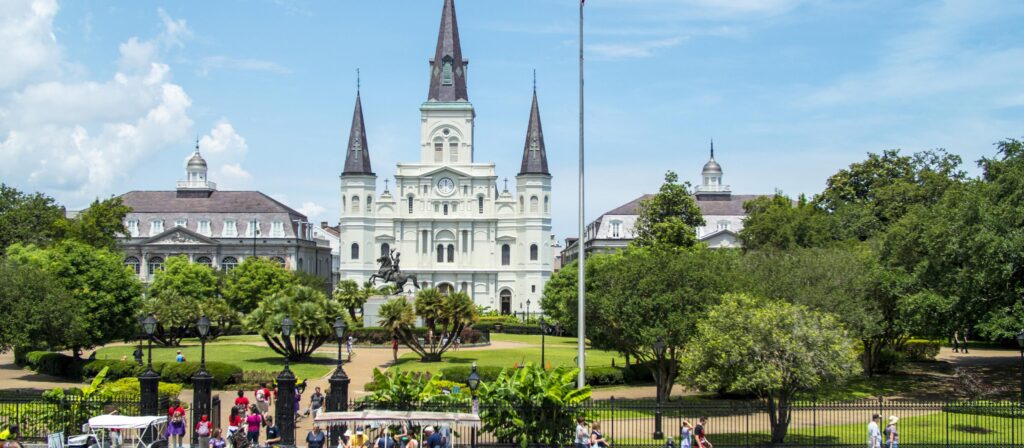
{"x":659,"y":353}
{"x":1020,"y":343}
{"x":285,"y":406}
{"x":202,"y":381}
{"x":474,"y":382}
{"x":543,"y":333}
{"x":337,"y":400}
{"x":149,"y":381}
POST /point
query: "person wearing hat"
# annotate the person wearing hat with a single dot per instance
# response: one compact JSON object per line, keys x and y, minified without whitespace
{"x":359,"y":439}
{"x":892,"y":435}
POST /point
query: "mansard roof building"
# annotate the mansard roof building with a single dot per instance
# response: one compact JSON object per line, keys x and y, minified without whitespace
{"x":445,"y":213}
{"x":217,"y":228}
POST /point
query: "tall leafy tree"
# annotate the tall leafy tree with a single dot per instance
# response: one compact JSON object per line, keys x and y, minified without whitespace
{"x":105,"y":292}
{"x":773,"y":349}
{"x":777,"y":222}
{"x":180,"y":294}
{"x":27,"y":218}
{"x":253,"y":281}
{"x":312,"y":315}
{"x":100,"y":224}
{"x":29,"y":298}
{"x":668,"y":218}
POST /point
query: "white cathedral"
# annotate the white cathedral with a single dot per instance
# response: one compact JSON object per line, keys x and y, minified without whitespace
{"x":453,"y":226}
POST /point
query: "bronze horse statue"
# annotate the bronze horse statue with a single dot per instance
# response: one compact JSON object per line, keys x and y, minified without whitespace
{"x":390,"y":272}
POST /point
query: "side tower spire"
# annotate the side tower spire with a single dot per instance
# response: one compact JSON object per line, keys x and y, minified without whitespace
{"x":357,"y":157}
{"x":535,"y":157}
{"x":448,"y":69}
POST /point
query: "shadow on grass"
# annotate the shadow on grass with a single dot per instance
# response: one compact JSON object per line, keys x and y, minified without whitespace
{"x":279,"y":361}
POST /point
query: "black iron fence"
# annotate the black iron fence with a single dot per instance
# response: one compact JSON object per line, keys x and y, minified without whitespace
{"x":38,"y":415}
{"x":628,"y":423}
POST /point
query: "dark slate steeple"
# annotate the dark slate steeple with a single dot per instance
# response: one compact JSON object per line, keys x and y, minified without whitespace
{"x":535,"y":158}
{"x":448,"y":69}
{"x":357,"y":158}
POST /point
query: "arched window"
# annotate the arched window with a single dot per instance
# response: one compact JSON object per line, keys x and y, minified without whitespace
{"x":205,"y":261}
{"x":506,"y":255}
{"x":410,"y":204}
{"x":445,"y":288}
{"x":228,"y":263}
{"x":155,"y":264}
{"x":453,"y":149}
{"x":533,"y":252}
{"x":440,"y":253}
{"x":445,"y":208}
{"x":451,"y":253}
{"x":355,"y":251}
{"x":369,"y":204}
{"x":355,"y":204}
{"x":446,"y":71}
{"x":278,"y":260}
{"x":522,"y":208}
{"x":385,"y":249}
{"x":133,"y":263}
{"x":533,"y":204}
{"x":547,"y":207}
{"x":480,"y":204}
{"x":506,"y":301}
{"x":439,"y":149}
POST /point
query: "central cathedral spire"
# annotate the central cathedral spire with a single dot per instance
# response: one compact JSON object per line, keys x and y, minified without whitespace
{"x":448,"y":69}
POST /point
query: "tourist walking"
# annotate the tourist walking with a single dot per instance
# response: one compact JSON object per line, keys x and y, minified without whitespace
{"x":582,"y":433}
{"x":241,"y":400}
{"x":252,"y":425}
{"x":176,"y":429}
{"x":874,"y":432}
{"x":892,"y":435}
{"x":394,"y":349}
{"x":273,"y":434}
{"x":685,"y":434}
{"x":701,"y":434}
{"x":316,"y":437}
{"x":234,"y":422}
{"x":203,"y":430}
{"x":216,"y":441}
{"x":348,"y":344}
{"x":963,"y":348}
{"x":359,"y":439}
{"x":956,"y":341}
{"x":316,"y":401}
{"x":596,"y":437}
{"x":262,"y":395}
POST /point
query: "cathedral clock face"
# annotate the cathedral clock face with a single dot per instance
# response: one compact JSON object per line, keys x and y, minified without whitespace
{"x":446,"y":186}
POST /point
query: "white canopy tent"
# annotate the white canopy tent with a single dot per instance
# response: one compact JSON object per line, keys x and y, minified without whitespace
{"x":113,"y":421}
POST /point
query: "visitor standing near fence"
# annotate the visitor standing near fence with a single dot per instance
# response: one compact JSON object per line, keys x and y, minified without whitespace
{"x":892,"y":435}
{"x":685,"y":434}
{"x":700,"y":432}
{"x":203,"y":430}
{"x":582,"y":433}
{"x":874,"y":433}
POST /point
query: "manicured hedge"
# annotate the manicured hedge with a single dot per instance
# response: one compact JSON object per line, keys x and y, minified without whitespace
{"x":508,"y":328}
{"x":596,"y":376}
{"x":58,"y":364}
{"x":920,"y":350}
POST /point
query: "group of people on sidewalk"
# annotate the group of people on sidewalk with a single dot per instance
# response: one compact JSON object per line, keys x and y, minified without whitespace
{"x":689,"y":436}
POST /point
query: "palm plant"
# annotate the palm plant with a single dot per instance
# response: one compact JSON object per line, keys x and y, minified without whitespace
{"x":311,"y":314}
{"x":445,"y":316}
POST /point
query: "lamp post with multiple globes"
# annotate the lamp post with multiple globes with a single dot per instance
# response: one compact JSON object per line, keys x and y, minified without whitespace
{"x":337,"y":399}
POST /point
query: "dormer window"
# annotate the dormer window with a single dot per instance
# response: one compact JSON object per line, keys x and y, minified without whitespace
{"x":446,"y":72}
{"x":133,"y":227}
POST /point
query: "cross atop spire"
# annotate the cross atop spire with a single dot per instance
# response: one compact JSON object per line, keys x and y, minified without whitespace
{"x":448,"y":69}
{"x":357,"y":157}
{"x":535,"y":158}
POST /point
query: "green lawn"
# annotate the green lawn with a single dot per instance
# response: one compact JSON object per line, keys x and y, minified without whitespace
{"x":247,"y":357}
{"x":559,"y":352}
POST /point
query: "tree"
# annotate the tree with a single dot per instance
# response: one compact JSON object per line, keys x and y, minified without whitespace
{"x":312,"y":315}
{"x":27,"y":218}
{"x":105,"y":292}
{"x":28,"y":297}
{"x":777,"y":222}
{"x":559,"y":301}
{"x":651,"y":293}
{"x":251,"y":282}
{"x":350,"y":296}
{"x":532,"y":406}
{"x":772,"y":349}
{"x":311,"y":280}
{"x":405,"y":390}
{"x":179,"y":295}
{"x":668,"y":218}
{"x":100,"y":224}
{"x":444,"y":315}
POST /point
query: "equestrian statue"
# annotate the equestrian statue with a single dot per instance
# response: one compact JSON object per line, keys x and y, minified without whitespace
{"x":389,"y":271}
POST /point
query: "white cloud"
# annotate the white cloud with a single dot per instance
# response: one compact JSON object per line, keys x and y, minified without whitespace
{"x":75,"y":139}
{"x":232,"y":176}
{"x":643,"y":49}
{"x":253,"y":65}
{"x":27,"y":43}
{"x":312,"y":210}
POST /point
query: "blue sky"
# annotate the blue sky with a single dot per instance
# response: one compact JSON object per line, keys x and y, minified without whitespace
{"x":99,"y":98}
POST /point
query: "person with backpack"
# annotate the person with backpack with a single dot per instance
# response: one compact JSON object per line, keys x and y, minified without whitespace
{"x":433,"y":438}
{"x":262,"y":395}
{"x":203,"y":430}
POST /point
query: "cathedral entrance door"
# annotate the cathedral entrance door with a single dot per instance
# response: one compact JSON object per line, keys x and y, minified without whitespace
{"x":506,"y":302}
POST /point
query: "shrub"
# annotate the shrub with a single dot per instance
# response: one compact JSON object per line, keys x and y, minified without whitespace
{"x":516,"y":328}
{"x":56,"y":364}
{"x":603,"y":376}
{"x":460,"y":373}
{"x":888,"y":359}
{"x":115,"y":369}
{"x":920,"y":350}
{"x":128,"y":389}
{"x":182,"y":372}
{"x":490,"y":320}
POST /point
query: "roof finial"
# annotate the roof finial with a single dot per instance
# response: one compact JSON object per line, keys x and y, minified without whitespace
{"x":197,"y":144}
{"x":712,"y":149}
{"x":506,"y":184}
{"x":535,"y":81}
{"x":386,"y":185}
{"x":357,"y":81}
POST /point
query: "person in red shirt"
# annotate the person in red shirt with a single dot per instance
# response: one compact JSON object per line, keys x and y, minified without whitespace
{"x":241,"y":400}
{"x":175,"y":407}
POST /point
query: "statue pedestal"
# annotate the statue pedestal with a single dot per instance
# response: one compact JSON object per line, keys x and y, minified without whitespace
{"x":371,"y":309}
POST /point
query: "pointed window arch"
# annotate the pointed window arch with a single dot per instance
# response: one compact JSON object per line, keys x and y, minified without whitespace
{"x":445,"y":208}
{"x":385,"y":249}
{"x":439,"y":149}
{"x":369,"y":204}
{"x":134,"y":264}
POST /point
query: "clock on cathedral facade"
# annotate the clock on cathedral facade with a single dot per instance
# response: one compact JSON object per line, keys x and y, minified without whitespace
{"x":446,"y":215}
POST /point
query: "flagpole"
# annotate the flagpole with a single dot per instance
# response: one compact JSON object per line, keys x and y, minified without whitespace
{"x":581,"y":327}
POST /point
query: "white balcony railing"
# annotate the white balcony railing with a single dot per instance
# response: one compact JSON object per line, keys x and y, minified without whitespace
{"x":713,"y":189}
{"x":197,"y":184}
